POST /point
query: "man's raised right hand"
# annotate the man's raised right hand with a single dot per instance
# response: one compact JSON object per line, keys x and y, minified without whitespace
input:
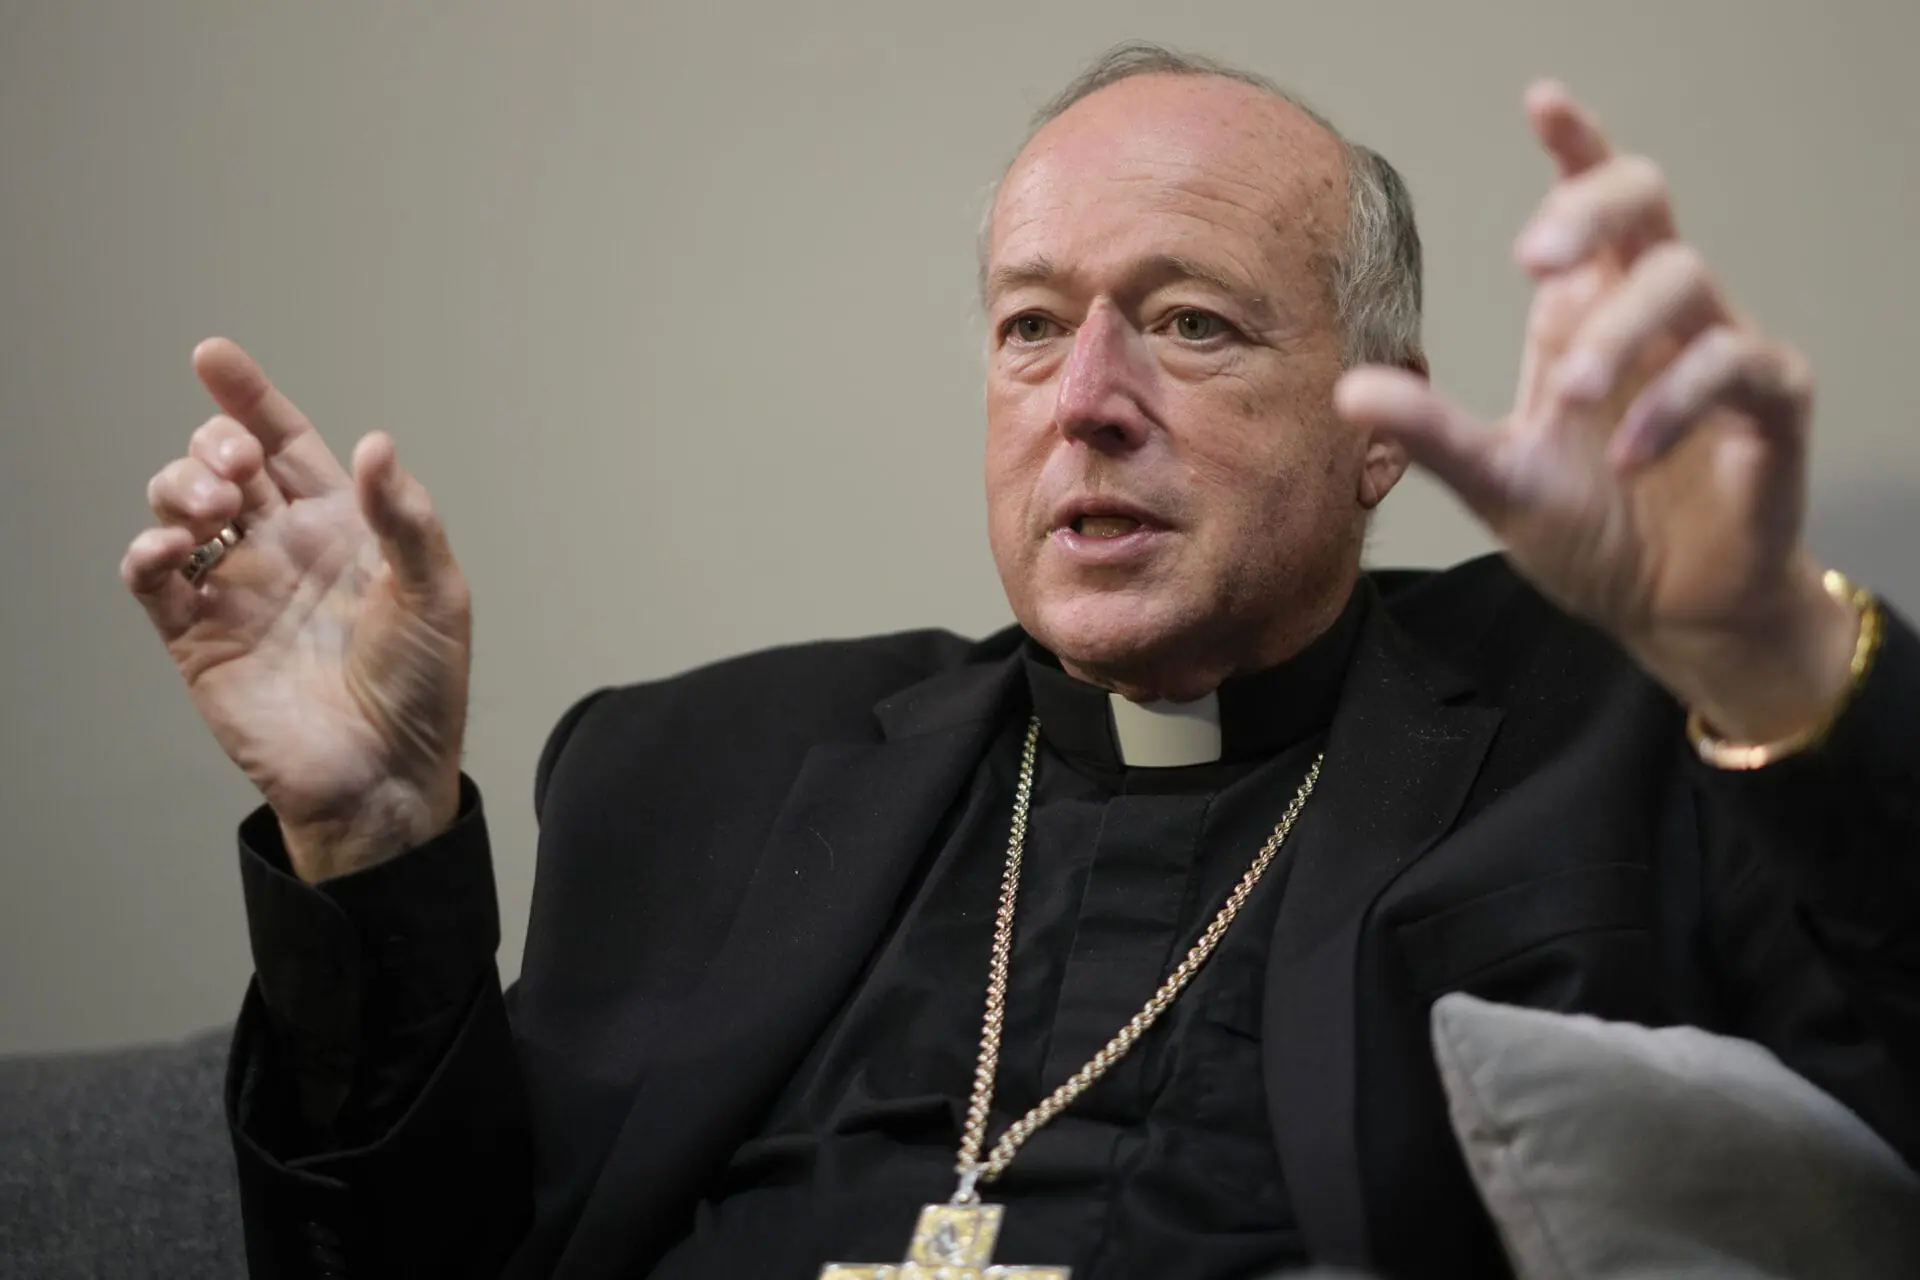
{"x":329,"y":650}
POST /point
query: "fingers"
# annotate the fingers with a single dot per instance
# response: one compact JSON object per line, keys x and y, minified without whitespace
{"x":151,"y":570}
{"x":1666,"y":300}
{"x":222,"y":480}
{"x":1570,"y":133}
{"x":1725,"y":366}
{"x":234,"y":454}
{"x":1620,"y":205}
{"x":1436,"y":433}
{"x":297,"y":458}
{"x":1560,"y":306}
{"x":1601,"y":201}
{"x":400,"y":512}
{"x":187,"y":494}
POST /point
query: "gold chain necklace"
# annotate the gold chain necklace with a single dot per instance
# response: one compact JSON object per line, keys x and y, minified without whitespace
{"x":954,"y":1241}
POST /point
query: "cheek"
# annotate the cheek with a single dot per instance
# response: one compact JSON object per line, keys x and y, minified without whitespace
{"x":1274,"y":465}
{"x":1256,"y":443}
{"x":1252,"y":498}
{"x":1012,"y":467}
{"x":1014,"y":410}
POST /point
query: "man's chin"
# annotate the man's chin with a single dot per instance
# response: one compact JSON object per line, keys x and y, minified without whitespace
{"x":1110,"y":639}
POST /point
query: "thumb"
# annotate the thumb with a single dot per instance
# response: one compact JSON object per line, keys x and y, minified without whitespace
{"x":398,"y":509}
{"x":1436,"y":433}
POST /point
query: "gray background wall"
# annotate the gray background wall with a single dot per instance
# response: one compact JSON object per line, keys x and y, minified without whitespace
{"x":671,"y":306}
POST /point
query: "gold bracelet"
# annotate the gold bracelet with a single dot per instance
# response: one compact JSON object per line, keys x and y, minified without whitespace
{"x":1741,"y":755}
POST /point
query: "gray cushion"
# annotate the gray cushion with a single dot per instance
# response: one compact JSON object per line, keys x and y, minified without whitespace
{"x":1604,"y":1149}
{"x":117,"y":1163}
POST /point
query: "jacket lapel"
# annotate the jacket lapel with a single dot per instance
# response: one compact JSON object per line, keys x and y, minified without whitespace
{"x":1401,"y":755}
{"x":859,"y":815}
{"x":856,"y":821}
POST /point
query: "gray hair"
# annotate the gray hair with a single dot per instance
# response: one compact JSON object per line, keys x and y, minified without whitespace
{"x":1374,"y":275}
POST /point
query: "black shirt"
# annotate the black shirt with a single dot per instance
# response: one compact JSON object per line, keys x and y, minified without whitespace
{"x":1167,"y":1165}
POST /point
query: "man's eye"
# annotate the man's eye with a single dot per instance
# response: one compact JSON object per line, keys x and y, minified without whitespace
{"x":1198,"y":326}
{"x":1029,"y":328}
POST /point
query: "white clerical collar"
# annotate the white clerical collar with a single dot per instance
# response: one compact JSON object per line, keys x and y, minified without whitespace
{"x":1166,"y":735}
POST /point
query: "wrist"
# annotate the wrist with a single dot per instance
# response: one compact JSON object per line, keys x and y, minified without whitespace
{"x":1782,"y":674}
{"x":393,"y":818}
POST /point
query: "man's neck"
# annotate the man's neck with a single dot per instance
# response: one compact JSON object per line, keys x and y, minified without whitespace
{"x":1248,"y":716}
{"x":1189,"y":671}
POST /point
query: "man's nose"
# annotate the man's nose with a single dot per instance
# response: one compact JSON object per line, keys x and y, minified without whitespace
{"x":1101,"y":385}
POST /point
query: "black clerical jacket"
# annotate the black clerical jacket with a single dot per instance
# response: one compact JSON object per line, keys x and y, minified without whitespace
{"x":1507,"y":806}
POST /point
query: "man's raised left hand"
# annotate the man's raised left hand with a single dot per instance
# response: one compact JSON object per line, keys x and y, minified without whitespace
{"x":1652,"y":474}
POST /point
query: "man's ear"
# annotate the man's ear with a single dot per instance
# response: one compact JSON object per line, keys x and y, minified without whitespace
{"x":1386,"y":461}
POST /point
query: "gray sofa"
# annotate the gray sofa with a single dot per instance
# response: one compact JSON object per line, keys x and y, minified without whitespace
{"x":116,"y":1164}
{"x":1604,"y":1151}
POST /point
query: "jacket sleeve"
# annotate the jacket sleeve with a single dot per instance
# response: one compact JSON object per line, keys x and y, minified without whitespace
{"x":1813,"y":870}
{"x":374,"y":1096}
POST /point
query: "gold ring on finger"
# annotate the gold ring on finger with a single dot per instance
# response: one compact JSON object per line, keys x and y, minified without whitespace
{"x":210,"y":552}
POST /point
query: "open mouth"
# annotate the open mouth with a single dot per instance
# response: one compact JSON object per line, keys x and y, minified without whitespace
{"x":1105,"y":526}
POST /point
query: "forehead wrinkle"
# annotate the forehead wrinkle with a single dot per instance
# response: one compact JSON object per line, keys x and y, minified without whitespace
{"x":1054,"y":182}
{"x":1205,"y":129}
{"x":1277,"y":206}
{"x":1221,"y":152}
{"x":1254,"y":202}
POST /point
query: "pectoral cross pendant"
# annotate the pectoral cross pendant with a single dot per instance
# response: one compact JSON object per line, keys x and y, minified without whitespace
{"x":952,"y":1242}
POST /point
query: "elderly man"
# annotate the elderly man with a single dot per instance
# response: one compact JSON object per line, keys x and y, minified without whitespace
{"x":1107,"y":943}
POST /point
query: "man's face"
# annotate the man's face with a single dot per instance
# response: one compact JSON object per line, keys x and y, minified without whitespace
{"x":1170,"y":496}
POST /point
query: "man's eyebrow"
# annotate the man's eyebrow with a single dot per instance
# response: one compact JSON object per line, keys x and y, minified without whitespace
{"x":1020,"y":274}
{"x":1148,"y":274}
{"x":1164,"y":268}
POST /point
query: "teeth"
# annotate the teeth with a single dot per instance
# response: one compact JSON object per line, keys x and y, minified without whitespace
{"x":1108,"y":526}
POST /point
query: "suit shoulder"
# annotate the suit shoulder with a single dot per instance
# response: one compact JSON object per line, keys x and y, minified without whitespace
{"x":1492,"y":624}
{"x":763,"y":709}
{"x":868,"y":666}
{"x":1468,"y":588}
{"x":813,"y":687}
